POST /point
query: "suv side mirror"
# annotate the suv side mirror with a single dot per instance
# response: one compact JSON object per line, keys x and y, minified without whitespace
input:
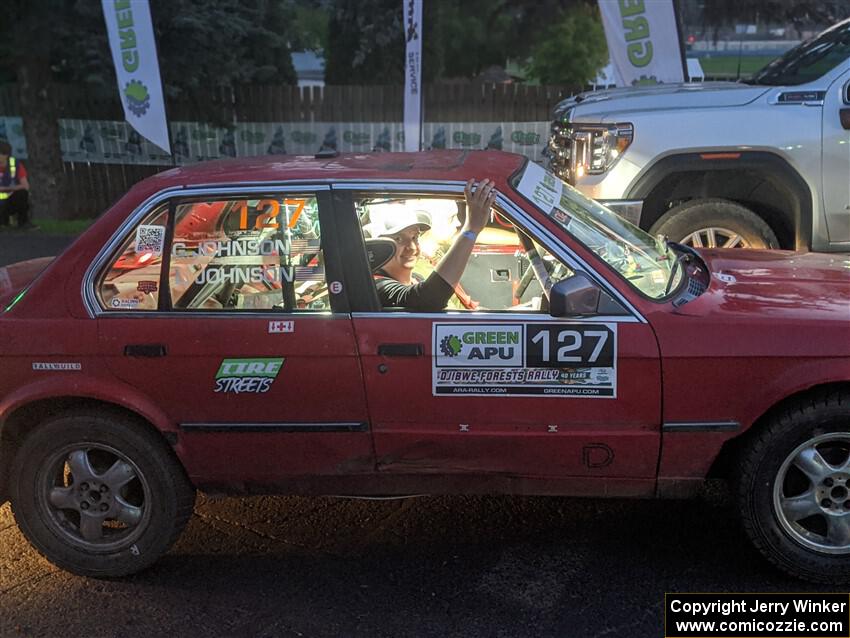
{"x":576,"y":295}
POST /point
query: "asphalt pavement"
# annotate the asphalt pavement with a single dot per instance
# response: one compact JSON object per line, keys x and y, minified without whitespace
{"x":18,"y":246}
{"x":432,"y":566}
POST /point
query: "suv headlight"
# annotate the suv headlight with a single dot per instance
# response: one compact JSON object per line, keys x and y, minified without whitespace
{"x":576,"y":149}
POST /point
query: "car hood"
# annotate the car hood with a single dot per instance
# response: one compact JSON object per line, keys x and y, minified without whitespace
{"x":15,"y":277}
{"x":595,"y":104}
{"x":777,"y":285}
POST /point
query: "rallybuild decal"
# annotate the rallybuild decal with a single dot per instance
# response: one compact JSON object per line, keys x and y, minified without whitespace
{"x":525,"y":359}
{"x":44,"y":365}
{"x":247,"y":375}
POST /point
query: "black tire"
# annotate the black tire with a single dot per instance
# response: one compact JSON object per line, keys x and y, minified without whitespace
{"x":797,"y":541}
{"x":698,"y":215}
{"x":76,"y":523}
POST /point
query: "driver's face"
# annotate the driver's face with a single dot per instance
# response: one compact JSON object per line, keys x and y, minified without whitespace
{"x":407,"y":248}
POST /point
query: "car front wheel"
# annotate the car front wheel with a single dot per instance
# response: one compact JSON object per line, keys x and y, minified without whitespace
{"x":715,"y":223}
{"x":99,"y":495}
{"x":794,"y":490}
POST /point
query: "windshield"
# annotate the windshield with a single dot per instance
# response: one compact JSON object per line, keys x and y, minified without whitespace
{"x":642,"y":260}
{"x":809,"y":60}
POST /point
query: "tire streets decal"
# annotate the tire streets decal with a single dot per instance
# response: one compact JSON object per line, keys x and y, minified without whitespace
{"x":525,"y":359}
{"x":238,"y":376}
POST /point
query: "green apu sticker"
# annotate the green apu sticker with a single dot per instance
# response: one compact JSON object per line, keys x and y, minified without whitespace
{"x":247,"y":375}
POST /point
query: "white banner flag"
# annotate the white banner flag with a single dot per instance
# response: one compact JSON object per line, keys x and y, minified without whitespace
{"x":412,"y":75}
{"x":643,"y":41}
{"x":128,"y":23}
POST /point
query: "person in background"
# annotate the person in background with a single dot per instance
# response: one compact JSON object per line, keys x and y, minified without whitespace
{"x":14,"y":188}
{"x":394,"y":282}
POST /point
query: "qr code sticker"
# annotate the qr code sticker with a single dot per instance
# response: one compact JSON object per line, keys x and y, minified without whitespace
{"x":149,"y":239}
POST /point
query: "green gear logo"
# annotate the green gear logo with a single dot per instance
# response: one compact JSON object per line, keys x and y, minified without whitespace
{"x":646,"y":80}
{"x":138,"y":97}
{"x":451,"y":346}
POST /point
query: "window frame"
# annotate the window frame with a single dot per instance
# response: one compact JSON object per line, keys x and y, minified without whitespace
{"x":174,"y":197}
{"x":365,"y":300}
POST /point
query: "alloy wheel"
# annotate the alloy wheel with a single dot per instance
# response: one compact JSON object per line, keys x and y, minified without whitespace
{"x":811,"y":494}
{"x":715,"y":237}
{"x":94,"y":497}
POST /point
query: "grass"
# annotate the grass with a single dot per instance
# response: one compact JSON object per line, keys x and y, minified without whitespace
{"x":56,"y":226}
{"x":728,"y":64}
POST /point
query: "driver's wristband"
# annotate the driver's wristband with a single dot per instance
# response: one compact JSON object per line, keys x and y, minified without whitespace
{"x":469,"y":234}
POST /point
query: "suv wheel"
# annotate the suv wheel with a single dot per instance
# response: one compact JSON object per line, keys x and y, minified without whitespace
{"x":715,"y":223}
{"x":99,"y":495}
{"x":794,"y":490}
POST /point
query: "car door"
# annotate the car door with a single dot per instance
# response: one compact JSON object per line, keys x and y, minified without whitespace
{"x":220,"y":306}
{"x":836,"y":158}
{"x":516,"y":392}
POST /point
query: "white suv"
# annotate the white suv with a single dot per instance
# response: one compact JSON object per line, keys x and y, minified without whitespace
{"x":763,"y":163}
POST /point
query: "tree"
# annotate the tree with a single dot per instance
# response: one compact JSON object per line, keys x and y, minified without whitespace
{"x":201,"y":44}
{"x":460,"y":39}
{"x":365,"y":42}
{"x":26,"y":54}
{"x":572,"y":50}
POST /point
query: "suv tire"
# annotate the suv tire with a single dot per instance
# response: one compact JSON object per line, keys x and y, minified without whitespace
{"x":99,"y":494}
{"x":715,"y":223}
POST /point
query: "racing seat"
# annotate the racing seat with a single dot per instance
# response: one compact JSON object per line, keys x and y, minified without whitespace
{"x":379,"y":251}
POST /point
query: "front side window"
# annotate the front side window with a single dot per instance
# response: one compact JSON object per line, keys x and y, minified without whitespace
{"x":503,"y":273}
{"x":227,"y":254}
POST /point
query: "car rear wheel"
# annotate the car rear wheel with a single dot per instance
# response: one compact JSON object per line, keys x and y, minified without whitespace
{"x":794,"y":490}
{"x":99,"y":495}
{"x":715,"y":223}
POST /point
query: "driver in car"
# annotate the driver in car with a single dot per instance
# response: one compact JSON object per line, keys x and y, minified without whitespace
{"x":394,"y":281}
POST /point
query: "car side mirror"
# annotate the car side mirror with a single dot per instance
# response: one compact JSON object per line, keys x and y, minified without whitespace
{"x":576,"y":295}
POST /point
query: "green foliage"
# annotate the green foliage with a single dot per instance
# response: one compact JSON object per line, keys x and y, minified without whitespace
{"x":473,"y":35}
{"x":460,"y":39}
{"x":309,"y":30}
{"x":200,"y":43}
{"x":571,"y":51}
{"x":366,"y":42}
{"x":366,"y":39}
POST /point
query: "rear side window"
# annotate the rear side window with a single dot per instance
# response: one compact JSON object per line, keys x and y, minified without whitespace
{"x":228,"y":254}
{"x":248,"y":254}
{"x":133,"y":279}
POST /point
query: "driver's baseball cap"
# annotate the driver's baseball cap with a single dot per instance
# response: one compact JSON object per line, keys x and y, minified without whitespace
{"x":399,"y":219}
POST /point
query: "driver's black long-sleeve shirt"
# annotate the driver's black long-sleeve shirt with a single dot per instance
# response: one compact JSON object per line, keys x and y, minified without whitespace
{"x":430,"y":295}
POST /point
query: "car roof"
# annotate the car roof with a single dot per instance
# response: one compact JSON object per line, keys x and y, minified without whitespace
{"x":427,"y":165}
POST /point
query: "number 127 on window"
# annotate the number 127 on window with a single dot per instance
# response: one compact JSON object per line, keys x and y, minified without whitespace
{"x":268,"y":213}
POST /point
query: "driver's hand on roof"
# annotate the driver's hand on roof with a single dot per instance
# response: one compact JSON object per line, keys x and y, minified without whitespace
{"x":479,"y":201}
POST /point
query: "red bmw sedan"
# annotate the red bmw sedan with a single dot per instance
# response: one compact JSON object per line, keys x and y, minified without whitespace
{"x":221,"y":328}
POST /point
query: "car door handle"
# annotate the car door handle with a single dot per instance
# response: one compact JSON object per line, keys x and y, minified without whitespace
{"x":145,"y":350}
{"x":401,"y":350}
